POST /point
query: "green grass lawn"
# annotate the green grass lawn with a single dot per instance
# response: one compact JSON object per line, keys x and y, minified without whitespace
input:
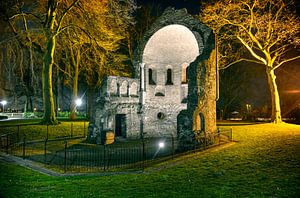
{"x":265,"y":162}
{"x":34,"y":131}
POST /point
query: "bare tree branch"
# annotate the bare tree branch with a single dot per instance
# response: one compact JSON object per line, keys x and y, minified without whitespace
{"x":240,"y":60}
{"x":285,"y":61}
{"x":251,"y":51}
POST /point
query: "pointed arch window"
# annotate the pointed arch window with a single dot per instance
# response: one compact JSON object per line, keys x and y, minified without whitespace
{"x":169,"y":77}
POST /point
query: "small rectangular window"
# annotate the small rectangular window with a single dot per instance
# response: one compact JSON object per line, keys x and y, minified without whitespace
{"x":151,"y":77}
{"x":169,"y":77}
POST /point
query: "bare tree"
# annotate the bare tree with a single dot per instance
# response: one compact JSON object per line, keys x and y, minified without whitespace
{"x":266,"y":29}
{"x":18,"y":50}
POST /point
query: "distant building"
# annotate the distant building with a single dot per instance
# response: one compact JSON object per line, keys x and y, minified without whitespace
{"x":174,"y":78}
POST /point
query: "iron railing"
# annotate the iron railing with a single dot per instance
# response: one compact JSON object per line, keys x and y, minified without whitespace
{"x":74,"y":154}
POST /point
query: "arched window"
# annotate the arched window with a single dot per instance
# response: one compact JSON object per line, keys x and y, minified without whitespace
{"x":124,"y":88}
{"x":169,"y":77}
{"x":133,"y":89}
{"x":113,"y":88}
{"x":118,"y":89}
{"x":151,"y":77}
{"x":184,"y":73}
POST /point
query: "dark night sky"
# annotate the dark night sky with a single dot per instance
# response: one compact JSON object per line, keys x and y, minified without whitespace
{"x":193,"y":6}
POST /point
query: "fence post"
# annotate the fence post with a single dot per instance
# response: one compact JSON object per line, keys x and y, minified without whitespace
{"x":83,"y":128}
{"x":65,"y":157}
{"x":18,"y":134}
{"x":144,"y":152}
{"x":45,"y":150}
{"x":71,"y":129}
{"x":47,"y":131}
{"x":173,"y":147}
{"x":104,"y":156}
{"x":24,"y":146}
{"x":204,"y":140}
{"x":6,"y":143}
{"x":219,"y":136}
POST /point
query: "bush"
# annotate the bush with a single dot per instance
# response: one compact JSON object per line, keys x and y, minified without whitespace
{"x":63,"y":114}
{"x":29,"y":114}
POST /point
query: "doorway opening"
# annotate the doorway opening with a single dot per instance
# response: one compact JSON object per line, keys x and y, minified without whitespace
{"x":120,"y":127}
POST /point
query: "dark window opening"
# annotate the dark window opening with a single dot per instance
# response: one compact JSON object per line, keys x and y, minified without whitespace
{"x":151,"y":77}
{"x":160,"y":115}
{"x":159,"y":94}
{"x":169,"y":77}
{"x":118,"y":89}
{"x":120,"y":127}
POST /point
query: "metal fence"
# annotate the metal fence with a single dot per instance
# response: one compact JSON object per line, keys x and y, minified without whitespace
{"x":16,"y":133}
{"x":74,"y":154}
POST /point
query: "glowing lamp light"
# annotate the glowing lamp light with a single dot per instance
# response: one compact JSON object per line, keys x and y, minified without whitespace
{"x":3,"y":102}
{"x":78,"y":102}
{"x":161,"y":145}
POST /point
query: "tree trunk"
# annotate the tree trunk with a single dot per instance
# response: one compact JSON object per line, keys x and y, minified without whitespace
{"x":57,"y":92}
{"x":49,"y":111}
{"x":75,"y":95}
{"x":75,"y":83}
{"x":276,"y":111}
{"x":90,"y":101}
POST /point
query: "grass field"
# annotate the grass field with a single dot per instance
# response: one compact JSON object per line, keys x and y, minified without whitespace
{"x":34,"y":131}
{"x":265,"y":162}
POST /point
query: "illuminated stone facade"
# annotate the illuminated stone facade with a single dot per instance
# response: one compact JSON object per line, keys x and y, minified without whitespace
{"x":168,"y":84}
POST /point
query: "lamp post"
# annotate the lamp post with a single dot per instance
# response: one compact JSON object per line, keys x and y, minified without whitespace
{"x":3,"y":102}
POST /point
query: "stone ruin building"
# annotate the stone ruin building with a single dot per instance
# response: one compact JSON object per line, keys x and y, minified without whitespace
{"x":173,"y":92}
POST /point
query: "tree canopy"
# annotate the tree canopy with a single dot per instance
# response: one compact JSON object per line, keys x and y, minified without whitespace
{"x":71,"y":35}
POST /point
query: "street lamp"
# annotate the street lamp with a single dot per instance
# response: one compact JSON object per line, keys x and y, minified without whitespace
{"x":3,"y":102}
